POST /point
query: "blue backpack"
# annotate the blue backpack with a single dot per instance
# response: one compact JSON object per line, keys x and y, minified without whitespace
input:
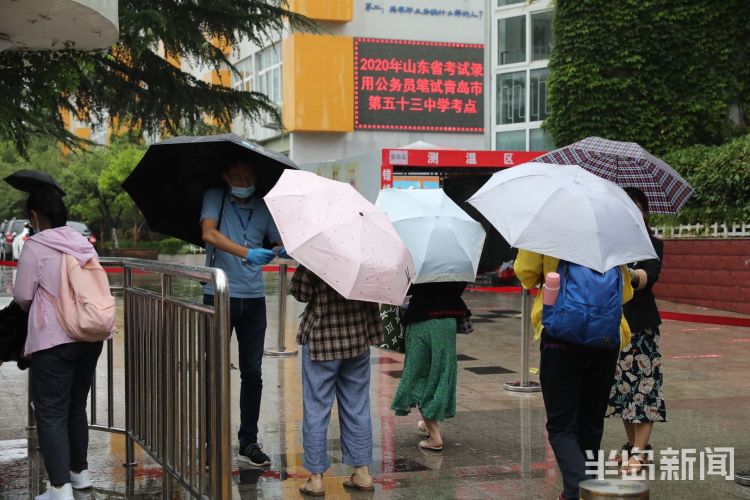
{"x":588,"y":308}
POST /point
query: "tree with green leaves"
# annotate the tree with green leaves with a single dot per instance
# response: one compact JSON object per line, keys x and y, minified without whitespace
{"x":721,"y":177}
{"x":91,"y":179}
{"x":664,"y":74}
{"x":43,"y":155}
{"x":94,"y":193}
{"x":131,"y":84}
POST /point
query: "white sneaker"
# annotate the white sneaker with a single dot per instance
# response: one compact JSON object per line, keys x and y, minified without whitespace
{"x":80,"y":481}
{"x":65,"y":492}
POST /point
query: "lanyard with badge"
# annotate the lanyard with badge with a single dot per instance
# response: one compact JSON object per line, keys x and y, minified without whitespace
{"x":244,"y":225}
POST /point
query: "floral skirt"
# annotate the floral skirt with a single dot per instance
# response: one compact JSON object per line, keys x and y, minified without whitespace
{"x":637,"y":394}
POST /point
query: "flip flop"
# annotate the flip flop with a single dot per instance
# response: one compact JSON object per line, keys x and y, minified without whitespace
{"x":421,"y":427}
{"x":423,"y":444}
{"x":307,"y":490}
{"x":349,"y":483}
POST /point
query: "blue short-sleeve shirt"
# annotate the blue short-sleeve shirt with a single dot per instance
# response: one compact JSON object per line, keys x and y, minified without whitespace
{"x":244,"y":224}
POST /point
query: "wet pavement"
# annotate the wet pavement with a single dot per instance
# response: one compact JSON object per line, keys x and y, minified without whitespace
{"x":495,"y":447}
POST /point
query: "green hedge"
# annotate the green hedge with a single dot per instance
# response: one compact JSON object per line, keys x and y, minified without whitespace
{"x":720,"y":176}
{"x":659,"y":73}
{"x":171,"y":246}
{"x":128,"y":243}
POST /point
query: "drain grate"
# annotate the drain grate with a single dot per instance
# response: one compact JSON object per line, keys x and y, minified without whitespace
{"x":502,"y":313}
{"x":464,"y":357}
{"x":401,"y":464}
{"x":488,"y":370}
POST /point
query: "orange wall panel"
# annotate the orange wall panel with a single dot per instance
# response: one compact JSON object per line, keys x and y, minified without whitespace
{"x":222,"y":44}
{"x":221,"y":77}
{"x":323,"y":10}
{"x":83,"y":132}
{"x":174,"y":60}
{"x":318,"y":76}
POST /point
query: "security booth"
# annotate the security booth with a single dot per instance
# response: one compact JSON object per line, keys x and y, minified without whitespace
{"x":460,"y":173}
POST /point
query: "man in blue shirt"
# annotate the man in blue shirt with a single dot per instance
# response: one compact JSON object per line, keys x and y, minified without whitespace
{"x":234,"y":221}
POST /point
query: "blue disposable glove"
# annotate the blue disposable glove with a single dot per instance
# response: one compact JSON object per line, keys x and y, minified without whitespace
{"x":281,"y":252}
{"x":259,"y":256}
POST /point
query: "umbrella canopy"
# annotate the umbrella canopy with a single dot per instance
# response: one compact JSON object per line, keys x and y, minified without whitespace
{"x":28,"y":180}
{"x":168,"y":183}
{"x":335,"y":232}
{"x":444,"y":241}
{"x":567,"y":213}
{"x":628,"y":165}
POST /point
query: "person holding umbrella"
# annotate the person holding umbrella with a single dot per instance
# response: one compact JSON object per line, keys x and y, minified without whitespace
{"x":637,"y":395}
{"x":62,"y":368}
{"x":446,"y":244}
{"x":234,"y":222}
{"x":567,"y":221}
{"x":575,"y":379}
{"x":435,"y":311}
{"x":351,"y":259}
{"x":335,"y":334}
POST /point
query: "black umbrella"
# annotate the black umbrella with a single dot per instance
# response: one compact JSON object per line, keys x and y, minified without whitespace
{"x":28,"y":180}
{"x":168,"y":183}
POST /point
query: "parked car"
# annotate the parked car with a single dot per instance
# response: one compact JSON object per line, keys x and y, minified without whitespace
{"x":83,"y":229}
{"x":18,"y":242}
{"x":12,"y":229}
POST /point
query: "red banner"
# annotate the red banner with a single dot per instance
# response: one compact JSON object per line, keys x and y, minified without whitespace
{"x":450,"y":158}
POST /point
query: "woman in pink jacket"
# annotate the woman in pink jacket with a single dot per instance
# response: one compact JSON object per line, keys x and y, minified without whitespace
{"x":61,"y":368}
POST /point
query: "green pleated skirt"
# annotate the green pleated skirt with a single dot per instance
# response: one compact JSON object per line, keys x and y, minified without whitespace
{"x":430,"y":369}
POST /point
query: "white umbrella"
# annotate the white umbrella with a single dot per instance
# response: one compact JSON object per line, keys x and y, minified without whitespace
{"x":565,"y":212}
{"x":340,"y":236}
{"x":444,"y":241}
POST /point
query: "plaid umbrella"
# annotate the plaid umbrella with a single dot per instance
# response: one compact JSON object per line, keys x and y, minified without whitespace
{"x":627,"y":164}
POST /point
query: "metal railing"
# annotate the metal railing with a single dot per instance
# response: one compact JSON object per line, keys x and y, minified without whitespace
{"x":715,"y":230}
{"x":280,"y":350}
{"x":175,"y":351}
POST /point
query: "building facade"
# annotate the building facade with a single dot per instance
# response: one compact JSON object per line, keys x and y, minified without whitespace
{"x":325,"y":84}
{"x":520,"y":46}
{"x":352,"y":89}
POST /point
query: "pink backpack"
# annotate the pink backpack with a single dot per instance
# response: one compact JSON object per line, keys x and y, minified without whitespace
{"x":85,"y":306}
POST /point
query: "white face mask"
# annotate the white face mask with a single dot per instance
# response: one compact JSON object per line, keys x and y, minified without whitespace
{"x":243,"y":192}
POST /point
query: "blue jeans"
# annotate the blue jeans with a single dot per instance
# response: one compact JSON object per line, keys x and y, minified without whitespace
{"x":247,"y":318}
{"x":349,"y":381}
{"x":576,"y":381}
{"x":60,"y":383}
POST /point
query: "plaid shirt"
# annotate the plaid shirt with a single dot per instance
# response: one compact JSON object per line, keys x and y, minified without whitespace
{"x":332,"y":326}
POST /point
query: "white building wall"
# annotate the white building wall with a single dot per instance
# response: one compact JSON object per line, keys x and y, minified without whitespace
{"x":517,"y":90}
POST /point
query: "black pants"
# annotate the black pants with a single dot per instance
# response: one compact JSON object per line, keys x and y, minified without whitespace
{"x":576,"y":381}
{"x":248,"y":321}
{"x":60,"y":383}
